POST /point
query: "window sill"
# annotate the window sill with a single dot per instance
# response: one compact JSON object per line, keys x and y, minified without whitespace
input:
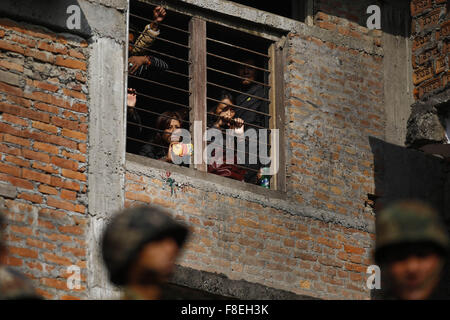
{"x":145,"y":165}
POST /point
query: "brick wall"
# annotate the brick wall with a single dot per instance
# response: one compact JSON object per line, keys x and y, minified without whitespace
{"x":43,"y":135}
{"x":430,"y":52}
{"x":347,"y":18}
{"x":316,"y":241}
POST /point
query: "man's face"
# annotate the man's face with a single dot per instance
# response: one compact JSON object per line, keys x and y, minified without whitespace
{"x":158,"y":257}
{"x":173,"y":125}
{"x":246,"y":72}
{"x":415,"y":276}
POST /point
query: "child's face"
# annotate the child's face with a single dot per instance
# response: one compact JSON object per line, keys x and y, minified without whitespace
{"x":222,"y":105}
{"x":174,"y":124}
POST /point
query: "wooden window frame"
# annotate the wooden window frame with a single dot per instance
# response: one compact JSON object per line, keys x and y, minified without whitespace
{"x":198,"y":88}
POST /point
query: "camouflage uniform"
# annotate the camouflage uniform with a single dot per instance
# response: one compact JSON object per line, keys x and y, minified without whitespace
{"x":128,"y":232}
{"x":410,"y":223}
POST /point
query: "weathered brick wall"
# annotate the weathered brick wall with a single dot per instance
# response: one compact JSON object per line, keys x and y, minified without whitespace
{"x":43,"y":135}
{"x":318,"y":240}
{"x":347,"y":18}
{"x":431,"y":42}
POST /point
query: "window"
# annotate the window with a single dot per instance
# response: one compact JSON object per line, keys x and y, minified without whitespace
{"x":212,"y":80}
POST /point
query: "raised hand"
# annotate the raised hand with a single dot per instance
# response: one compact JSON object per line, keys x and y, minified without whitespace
{"x":159,"y":13}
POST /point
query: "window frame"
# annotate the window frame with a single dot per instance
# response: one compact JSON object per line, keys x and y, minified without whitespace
{"x":198,"y":88}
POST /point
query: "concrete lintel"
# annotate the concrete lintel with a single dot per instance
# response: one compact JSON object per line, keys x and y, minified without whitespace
{"x":271,"y":24}
{"x":102,"y":17}
{"x":220,"y":284}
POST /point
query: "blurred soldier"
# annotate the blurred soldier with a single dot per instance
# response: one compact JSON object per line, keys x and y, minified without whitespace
{"x":13,"y":284}
{"x":139,"y":248}
{"x":411,"y":250}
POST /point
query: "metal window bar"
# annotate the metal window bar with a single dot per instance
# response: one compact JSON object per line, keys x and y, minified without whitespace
{"x":239,"y":107}
{"x":163,"y":100}
{"x":159,"y":83}
{"x":162,"y":39}
{"x":236,"y":76}
{"x":238,"y":47}
{"x":159,"y":114}
{"x":234,"y":90}
{"x":238,"y":62}
{"x":148,"y":142}
{"x":160,"y":24}
{"x":246,"y":138}
{"x":160,"y":53}
{"x":245,"y":123}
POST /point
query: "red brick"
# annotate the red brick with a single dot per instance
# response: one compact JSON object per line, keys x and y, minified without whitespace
{"x":45,"y":127}
{"x":52,"y":47}
{"x":352,"y":249}
{"x":36,"y":176}
{"x":11,"y":66}
{"x":71,"y":229}
{"x":46,"y":107}
{"x":13,"y":119}
{"x":23,"y":252}
{"x":44,"y":294}
{"x":57,"y":259}
{"x":17,"y":182}
{"x":74,"y":94}
{"x":63,"y":163}
{"x":40,"y":244}
{"x":17,"y":161}
{"x":46,"y":148}
{"x":67,"y":297}
{"x":74,"y":134}
{"x":74,"y":175}
{"x":64,"y":123}
{"x":40,"y":55}
{"x":68,"y":195}
{"x":12,"y":261}
{"x":43,"y":85}
{"x":54,"y":283}
{"x":48,"y":98}
{"x":35,"y":155}
{"x":11,"y":89}
{"x":30,"y":197}
{"x":71,"y":63}
{"x":62,"y":204}
{"x":74,"y":156}
{"x":24,"y":113}
{"x":5,"y":45}
{"x":47,"y":168}
{"x":12,"y":170}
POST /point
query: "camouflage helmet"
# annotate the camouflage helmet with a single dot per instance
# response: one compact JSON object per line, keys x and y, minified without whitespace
{"x":409,"y":221}
{"x":129,"y":230}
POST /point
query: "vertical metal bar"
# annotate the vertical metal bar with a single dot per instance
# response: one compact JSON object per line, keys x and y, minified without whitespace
{"x":277,"y":112}
{"x":197,"y":87}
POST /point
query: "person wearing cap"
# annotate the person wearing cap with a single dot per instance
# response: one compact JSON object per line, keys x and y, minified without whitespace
{"x":139,"y":248}
{"x":13,"y":284}
{"x":411,"y":250}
